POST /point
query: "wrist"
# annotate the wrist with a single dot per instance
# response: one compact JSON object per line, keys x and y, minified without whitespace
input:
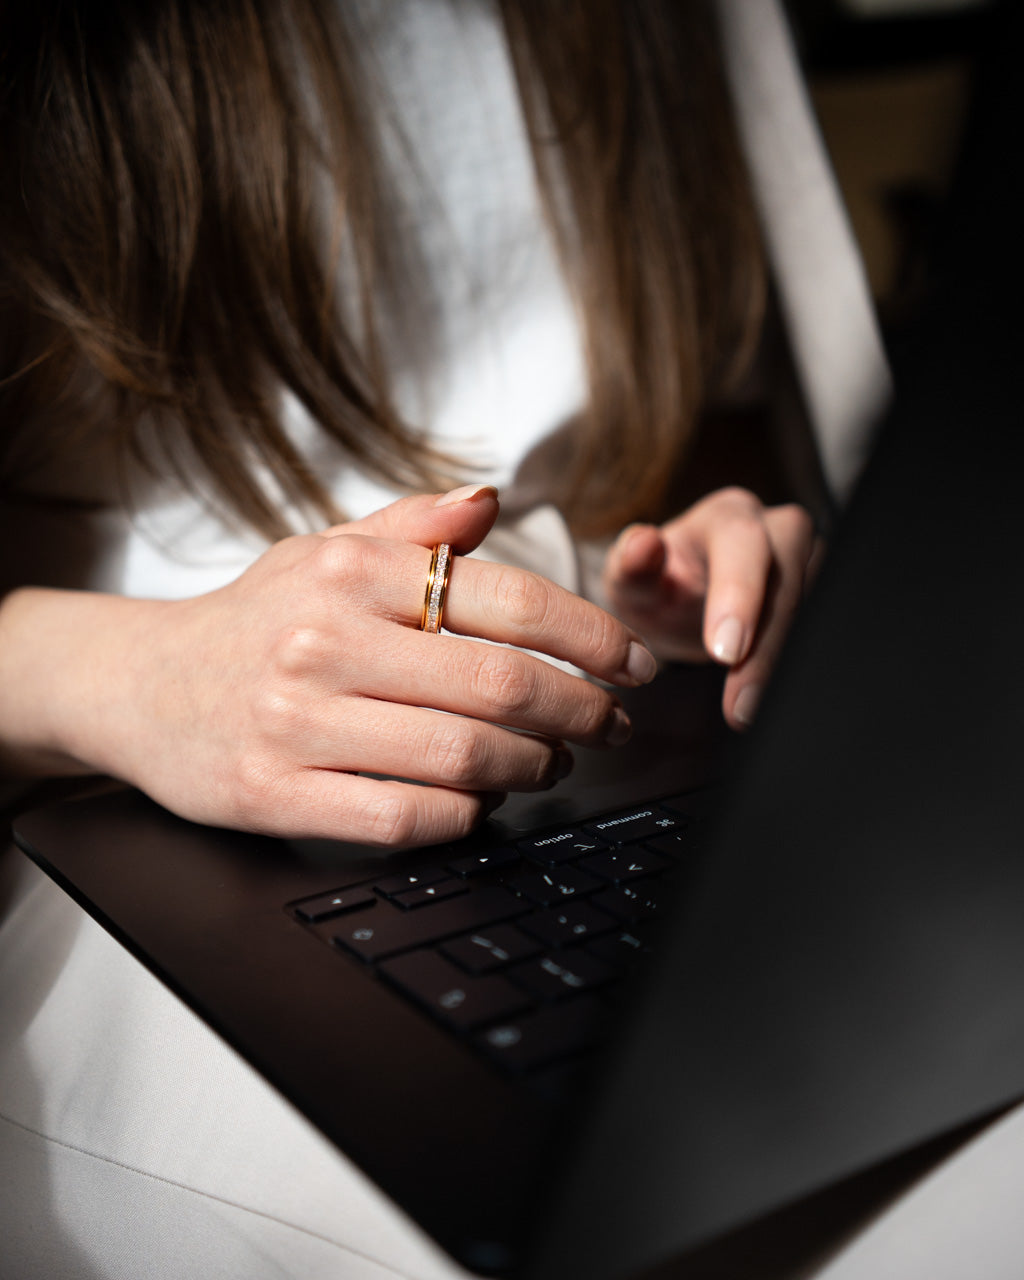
{"x":66,"y":674}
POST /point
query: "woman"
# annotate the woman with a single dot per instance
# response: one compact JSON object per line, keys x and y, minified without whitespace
{"x":265,"y":268}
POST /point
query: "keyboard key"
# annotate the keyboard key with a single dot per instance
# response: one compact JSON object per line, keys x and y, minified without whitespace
{"x":568,"y":973}
{"x":491,"y":948}
{"x":676,"y":844}
{"x":524,"y":1044}
{"x":633,"y":824}
{"x":328,"y":905}
{"x":629,"y":902}
{"x":389,"y":931}
{"x":559,"y":846}
{"x":410,"y":880}
{"x":562,"y":927}
{"x":555,"y":885}
{"x":619,"y":865}
{"x":420,"y":897}
{"x":449,"y":994}
{"x":621,"y":948}
{"x":477,"y":864}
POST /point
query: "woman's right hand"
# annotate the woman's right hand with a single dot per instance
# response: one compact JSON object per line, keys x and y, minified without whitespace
{"x":261,"y":704}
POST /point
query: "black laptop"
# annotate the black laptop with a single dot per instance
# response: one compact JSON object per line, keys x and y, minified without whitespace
{"x":694,"y":984}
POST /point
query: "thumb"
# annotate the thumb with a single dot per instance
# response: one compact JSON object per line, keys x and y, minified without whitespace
{"x":635,"y":563}
{"x":462,"y":517}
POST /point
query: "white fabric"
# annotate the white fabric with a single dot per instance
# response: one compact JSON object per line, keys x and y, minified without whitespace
{"x":134,"y":1143}
{"x":817,"y":270}
{"x":963,"y":1220}
{"x":506,"y":363}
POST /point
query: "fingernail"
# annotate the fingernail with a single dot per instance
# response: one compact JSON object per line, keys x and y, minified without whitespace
{"x":727,"y":645}
{"x":621,"y":729}
{"x":465,"y":493}
{"x":641,"y":664}
{"x":745,"y":707}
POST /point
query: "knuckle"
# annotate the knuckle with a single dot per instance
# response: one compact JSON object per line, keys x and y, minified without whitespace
{"x":740,"y":514}
{"x":276,"y":713}
{"x":284,"y":554}
{"x":524,"y":598}
{"x":298,"y":650}
{"x":348,"y":557}
{"x":504,"y":683}
{"x":389,"y":819}
{"x":250,"y":800}
{"x":742,"y":501}
{"x":609,"y":643}
{"x":455,"y":751}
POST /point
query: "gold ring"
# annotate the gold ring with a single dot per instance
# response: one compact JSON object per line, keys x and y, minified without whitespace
{"x":437,"y":588}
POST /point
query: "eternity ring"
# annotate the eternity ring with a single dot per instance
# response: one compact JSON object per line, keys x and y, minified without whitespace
{"x":437,"y":588}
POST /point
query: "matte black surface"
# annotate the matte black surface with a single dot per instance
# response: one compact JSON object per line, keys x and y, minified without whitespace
{"x":848,"y":979}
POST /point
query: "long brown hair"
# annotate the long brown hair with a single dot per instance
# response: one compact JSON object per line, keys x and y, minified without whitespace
{"x":162,"y":222}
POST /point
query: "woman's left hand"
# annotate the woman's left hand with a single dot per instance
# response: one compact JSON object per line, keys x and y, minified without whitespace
{"x":721,"y":581}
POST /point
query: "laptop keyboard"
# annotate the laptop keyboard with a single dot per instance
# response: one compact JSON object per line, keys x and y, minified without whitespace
{"x":517,"y":947}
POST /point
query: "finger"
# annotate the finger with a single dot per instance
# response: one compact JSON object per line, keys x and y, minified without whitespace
{"x":500,"y":685}
{"x":638,"y":552}
{"x":462,"y":517}
{"x":634,"y":567}
{"x":792,"y":540}
{"x":739,"y":559}
{"x":488,"y":601}
{"x":513,"y":606}
{"x":447,"y":750}
{"x":323,"y":804}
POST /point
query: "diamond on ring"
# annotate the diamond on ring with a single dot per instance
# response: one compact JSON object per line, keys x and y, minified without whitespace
{"x":437,"y":588}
